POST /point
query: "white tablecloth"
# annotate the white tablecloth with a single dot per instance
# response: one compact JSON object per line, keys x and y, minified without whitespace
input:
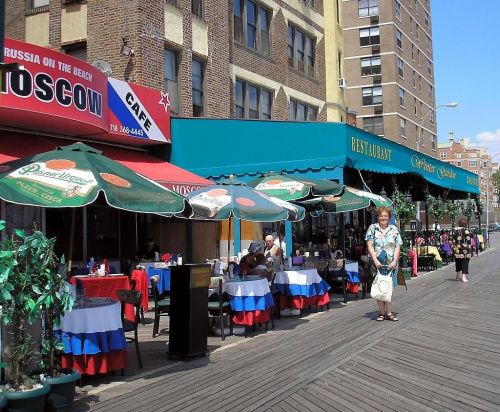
{"x":304,"y":282}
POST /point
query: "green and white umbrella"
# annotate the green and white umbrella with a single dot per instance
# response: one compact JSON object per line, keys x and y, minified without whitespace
{"x":74,"y":175}
{"x":351,"y":199}
{"x":287,"y":187}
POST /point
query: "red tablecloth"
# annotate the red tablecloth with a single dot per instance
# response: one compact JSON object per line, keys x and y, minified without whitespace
{"x":98,"y":363}
{"x":106,"y":287}
{"x":142,"y":284}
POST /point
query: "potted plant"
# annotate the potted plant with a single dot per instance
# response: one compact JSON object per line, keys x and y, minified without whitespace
{"x":22,"y":259}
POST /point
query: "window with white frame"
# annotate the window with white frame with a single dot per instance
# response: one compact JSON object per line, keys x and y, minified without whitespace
{"x":429,"y":67}
{"x":484,"y":174}
{"x":485,"y":164}
{"x":399,"y":42}
{"x":252,"y":101}
{"x":416,"y":31}
{"x":420,"y":83}
{"x":401,"y":97}
{"x":443,"y":155}
{"x":431,"y":116}
{"x":171,"y":74}
{"x":374,"y":125}
{"x":473,"y":154}
{"x":418,"y":57}
{"x":414,"y":79}
{"x":459,"y":164}
{"x":370,"y":36}
{"x":472,"y":163}
{"x":198,"y":84}
{"x":371,"y":65}
{"x":413,"y":52}
{"x":37,"y":5}
{"x":474,"y":171}
{"x":430,"y":88}
{"x":433,"y":142}
{"x":197,"y":7}
{"x":458,"y":155}
{"x":303,"y":112}
{"x":400,"y":68}
{"x":252,"y":25}
{"x":427,"y":19}
{"x":372,"y":95}
{"x":367,"y":8}
{"x":301,"y":54}
{"x":415,"y":105}
{"x":427,"y":42}
{"x":397,"y":10}
{"x":402,"y":125}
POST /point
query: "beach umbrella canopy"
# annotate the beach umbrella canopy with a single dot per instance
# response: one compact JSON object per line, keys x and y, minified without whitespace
{"x":232,"y":198}
{"x":351,"y":199}
{"x":75,"y":175}
{"x":287,"y":187}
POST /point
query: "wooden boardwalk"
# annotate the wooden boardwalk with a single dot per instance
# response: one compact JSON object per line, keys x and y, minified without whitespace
{"x":443,"y":355}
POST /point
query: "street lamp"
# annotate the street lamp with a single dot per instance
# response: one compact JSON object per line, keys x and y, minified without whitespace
{"x":419,"y":139}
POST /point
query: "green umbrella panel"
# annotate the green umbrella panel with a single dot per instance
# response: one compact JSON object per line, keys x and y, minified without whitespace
{"x":351,"y":199}
{"x":287,"y":187}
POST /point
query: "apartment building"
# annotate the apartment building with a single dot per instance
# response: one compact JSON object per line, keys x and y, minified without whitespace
{"x":478,"y":161}
{"x":251,"y":59}
{"x":389,"y":70}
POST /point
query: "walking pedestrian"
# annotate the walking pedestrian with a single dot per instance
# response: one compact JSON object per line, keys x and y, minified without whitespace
{"x":462,"y":250}
{"x":384,"y":242}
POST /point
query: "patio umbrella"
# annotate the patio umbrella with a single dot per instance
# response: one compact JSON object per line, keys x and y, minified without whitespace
{"x":351,"y":199}
{"x":232,"y":198}
{"x":288,"y":187}
{"x":75,"y":175}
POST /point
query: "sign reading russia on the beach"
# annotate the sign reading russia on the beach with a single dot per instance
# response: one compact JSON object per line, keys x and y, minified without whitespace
{"x":55,"y":84}
{"x":138,"y":111}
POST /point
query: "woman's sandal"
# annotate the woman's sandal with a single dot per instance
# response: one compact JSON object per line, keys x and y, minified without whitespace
{"x":380,"y":317}
{"x":390,"y":316}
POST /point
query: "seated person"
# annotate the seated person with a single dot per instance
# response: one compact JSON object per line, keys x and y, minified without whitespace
{"x":271,"y":248}
{"x":249,"y":261}
{"x":148,"y":251}
{"x":261,"y":269}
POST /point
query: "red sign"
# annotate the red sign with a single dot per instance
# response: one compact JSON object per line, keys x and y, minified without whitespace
{"x":55,"y":84}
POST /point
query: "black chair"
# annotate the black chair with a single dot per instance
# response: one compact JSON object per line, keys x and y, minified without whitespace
{"x":131,"y":297}
{"x":276,"y":292}
{"x":162,"y":306}
{"x":222,"y":309}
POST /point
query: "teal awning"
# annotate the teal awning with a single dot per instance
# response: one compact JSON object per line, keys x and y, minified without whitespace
{"x":217,"y":148}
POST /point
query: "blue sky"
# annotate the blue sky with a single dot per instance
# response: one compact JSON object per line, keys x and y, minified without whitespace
{"x":466,"y":45}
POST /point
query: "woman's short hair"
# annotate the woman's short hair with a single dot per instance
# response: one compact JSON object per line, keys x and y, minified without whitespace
{"x":462,"y":222}
{"x":379,"y":210}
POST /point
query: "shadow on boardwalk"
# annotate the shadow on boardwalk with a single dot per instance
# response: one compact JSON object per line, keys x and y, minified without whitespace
{"x":443,"y":354}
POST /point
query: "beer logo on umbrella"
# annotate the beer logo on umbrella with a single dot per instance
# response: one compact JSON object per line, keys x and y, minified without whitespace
{"x":115,"y":180}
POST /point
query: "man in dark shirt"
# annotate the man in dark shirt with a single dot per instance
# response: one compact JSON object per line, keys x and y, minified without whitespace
{"x":148,"y":251}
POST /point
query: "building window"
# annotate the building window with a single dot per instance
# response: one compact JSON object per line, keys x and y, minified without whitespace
{"x":402,"y":123}
{"x":427,"y":19}
{"x":459,"y":164}
{"x":371,"y":65}
{"x":415,"y":104}
{"x":171,"y":73}
{"x":418,"y":57}
{"x":433,"y":142}
{"x":301,"y":53}
{"x":398,"y":39}
{"x":411,"y":25}
{"x":431,"y":116}
{"x":198,"y":84}
{"x":302,"y":112}
{"x":197,"y":8}
{"x":485,"y":164}
{"x":414,"y":79}
{"x":173,"y":2}
{"x":459,"y":155}
{"x":416,"y":31}
{"x":429,"y":67}
{"x":251,"y":25}
{"x":397,"y":10}
{"x":37,"y":5}
{"x":401,"y":97}
{"x":367,"y":8}
{"x":472,"y":163}
{"x":369,"y":36}
{"x":413,"y":52}
{"x":76,"y":50}
{"x":430,"y":92}
{"x":400,"y":68}
{"x":374,"y":125}
{"x":372,"y":95}
{"x":252,"y":101}
{"x":427,"y":42}
{"x":420,"y":83}
{"x":442,"y":155}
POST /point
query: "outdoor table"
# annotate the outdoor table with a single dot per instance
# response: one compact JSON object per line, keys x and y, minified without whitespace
{"x":446,"y":247}
{"x":105,"y":287}
{"x":93,"y":337}
{"x":164,"y":273}
{"x":251,"y":300}
{"x":301,"y":288}
{"x":428,"y":250}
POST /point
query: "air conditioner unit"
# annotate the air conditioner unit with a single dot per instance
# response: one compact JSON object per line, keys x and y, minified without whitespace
{"x":376,"y":48}
{"x":377,"y":78}
{"x":374,"y":18}
{"x":379,"y":108}
{"x":342,"y":83}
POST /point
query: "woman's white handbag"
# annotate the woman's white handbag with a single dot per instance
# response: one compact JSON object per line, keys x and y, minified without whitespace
{"x":382,"y":287}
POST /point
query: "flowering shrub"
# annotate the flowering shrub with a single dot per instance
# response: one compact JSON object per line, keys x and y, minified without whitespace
{"x":419,"y":241}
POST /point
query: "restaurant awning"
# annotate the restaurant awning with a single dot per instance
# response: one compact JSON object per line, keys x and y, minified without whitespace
{"x":248,"y":148}
{"x":167,"y":174}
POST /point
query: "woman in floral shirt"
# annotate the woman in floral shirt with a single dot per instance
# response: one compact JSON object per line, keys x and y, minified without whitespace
{"x":461,"y":239}
{"x":384,"y":242}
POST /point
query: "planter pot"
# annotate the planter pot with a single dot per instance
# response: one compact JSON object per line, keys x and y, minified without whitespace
{"x":3,"y":402}
{"x":27,"y":401}
{"x":62,"y":390}
{"x":404,"y":263}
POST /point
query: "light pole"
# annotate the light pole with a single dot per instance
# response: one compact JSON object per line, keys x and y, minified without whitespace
{"x":488,"y":190}
{"x":419,"y":139}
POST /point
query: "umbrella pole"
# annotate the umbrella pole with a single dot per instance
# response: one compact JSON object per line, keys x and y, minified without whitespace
{"x":71,"y":236}
{"x":228,"y":245}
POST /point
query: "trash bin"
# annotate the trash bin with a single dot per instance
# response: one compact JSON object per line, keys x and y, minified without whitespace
{"x":189,"y":310}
